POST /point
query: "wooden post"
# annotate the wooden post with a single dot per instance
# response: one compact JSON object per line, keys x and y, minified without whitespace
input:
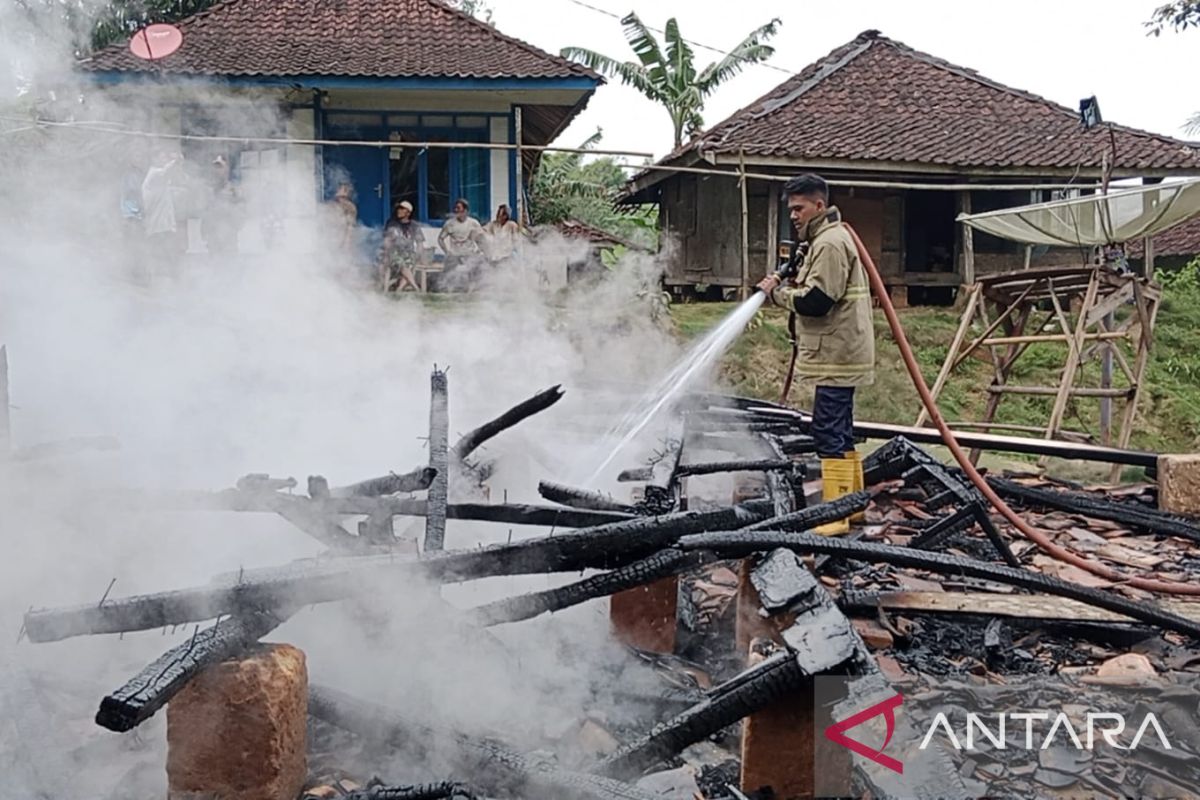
{"x":1148,"y":265}
{"x":1106,"y":376}
{"x":772,"y":230}
{"x":968,"y":234}
{"x":519,"y":168}
{"x":5,"y":430}
{"x":1075,"y":344}
{"x":952,"y":356}
{"x":745,"y":289}
{"x":1028,"y":255}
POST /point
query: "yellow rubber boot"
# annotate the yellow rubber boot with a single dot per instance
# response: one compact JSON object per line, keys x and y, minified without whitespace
{"x":856,"y":458}
{"x":837,"y":480}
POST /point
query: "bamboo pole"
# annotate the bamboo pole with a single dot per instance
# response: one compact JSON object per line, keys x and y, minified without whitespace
{"x":1076,"y":345}
{"x":765,"y":176}
{"x":1051,"y":391}
{"x":1103,"y":336}
{"x":947,"y":365}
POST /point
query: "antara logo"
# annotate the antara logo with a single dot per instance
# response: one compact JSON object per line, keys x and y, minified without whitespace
{"x":837,"y":733}
{"x":1108,"y":725}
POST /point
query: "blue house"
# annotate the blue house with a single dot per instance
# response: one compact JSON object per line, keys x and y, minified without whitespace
{"x":285,"y":74}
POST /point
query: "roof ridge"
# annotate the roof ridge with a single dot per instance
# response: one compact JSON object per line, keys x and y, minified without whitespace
{"x":854,"y":48}
{"x":496,"y":32}
{"x":980,"y":78}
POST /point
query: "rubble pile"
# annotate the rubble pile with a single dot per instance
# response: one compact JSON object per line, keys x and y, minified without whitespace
{"x":733,"y":611}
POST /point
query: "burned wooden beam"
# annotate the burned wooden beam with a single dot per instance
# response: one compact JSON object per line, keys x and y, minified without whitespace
{"x":1146,"y":520}
{"x":492,"y":766}
{"x":662,"y":485}
{"x":322,"y":527}
{"x":415,"y":480}
{"x":153,"y":687}
{"x":1045,"y":607}
{"x":602,"y":547}
{"x":647,"y":570}
{"x":982,"y":441}
{"x":820,"y":641}
{"x":233,"y":500}
{"x":820,"y":514}
{"x":741,"y":543}
{"x":522,"y":411}
{"x":713,"y":467}
{"x":581,"y":498}
{"x":439,"y":461}
{"x":739,"y":697}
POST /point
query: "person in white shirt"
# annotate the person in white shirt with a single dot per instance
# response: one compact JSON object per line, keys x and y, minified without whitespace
{"x":460,"y":240}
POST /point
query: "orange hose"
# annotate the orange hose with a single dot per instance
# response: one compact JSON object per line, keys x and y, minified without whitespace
{"x":1036,"y":536}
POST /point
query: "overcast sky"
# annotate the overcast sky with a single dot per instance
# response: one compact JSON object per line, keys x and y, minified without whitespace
{"x":1063,"y":50}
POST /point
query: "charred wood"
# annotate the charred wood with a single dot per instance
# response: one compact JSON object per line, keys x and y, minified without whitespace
{"x":511,"y":513}
{"x":943,"y":529}
{"x":322,"y":527}
{"x":750,"y":691}
{"x":526,"y":606}
{"x":417,"y":480}
{"x":492,"y":766}
{"x":439,"y":433}
{"x":262,"y":482}
{"x":741,"y":543}
{"x":1143,"y":519}
{"x":581,"y":498}
{"x":713,"y":467}
{"x":820,"y":514}
{"x":821,"y":640}
{"x":522,"y":411}
{"x":662,"y":486}
{"x":153,"y":687}
{"x":601,"y":547}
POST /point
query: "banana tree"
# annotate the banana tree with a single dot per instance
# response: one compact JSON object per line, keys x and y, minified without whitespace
{"x":670,"y":77}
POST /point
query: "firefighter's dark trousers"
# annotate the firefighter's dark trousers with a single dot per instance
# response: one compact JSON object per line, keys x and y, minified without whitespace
{"x":833,"y":420}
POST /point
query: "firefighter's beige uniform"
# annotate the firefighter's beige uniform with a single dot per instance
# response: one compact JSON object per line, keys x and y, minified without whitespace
{"x":838,"y":348}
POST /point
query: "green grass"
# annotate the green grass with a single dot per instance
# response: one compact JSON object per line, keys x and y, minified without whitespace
{"x":1168,"y":418}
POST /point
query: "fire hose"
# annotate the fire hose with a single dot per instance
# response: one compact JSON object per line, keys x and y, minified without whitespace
{"x":1038,"y":537}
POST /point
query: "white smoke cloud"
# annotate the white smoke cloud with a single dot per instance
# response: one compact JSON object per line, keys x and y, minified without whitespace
{"x":281,"y":361}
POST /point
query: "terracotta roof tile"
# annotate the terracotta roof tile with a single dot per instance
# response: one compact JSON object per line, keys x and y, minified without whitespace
{"x":880,"y":100}
{"x":349,"y":38}
{"x":1181,"y":240}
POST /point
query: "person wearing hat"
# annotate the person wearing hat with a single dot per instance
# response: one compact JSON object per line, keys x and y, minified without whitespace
{"x":403,"y":248}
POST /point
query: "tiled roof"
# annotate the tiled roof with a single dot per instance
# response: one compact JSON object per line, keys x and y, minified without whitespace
{"x":875,"y":99}
{"x":351,"y":38}
{"x":1182,"y":240}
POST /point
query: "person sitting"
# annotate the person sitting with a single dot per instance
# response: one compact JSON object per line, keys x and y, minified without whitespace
{"x":460,"y":240}
{"x":502,"y":237}
{"x":403,"y":249}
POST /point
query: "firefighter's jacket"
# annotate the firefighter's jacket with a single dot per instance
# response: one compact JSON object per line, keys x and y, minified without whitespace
{"x":838,"y":347}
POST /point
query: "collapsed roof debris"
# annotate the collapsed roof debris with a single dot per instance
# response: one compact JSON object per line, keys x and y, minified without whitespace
{"x":929,"y":586}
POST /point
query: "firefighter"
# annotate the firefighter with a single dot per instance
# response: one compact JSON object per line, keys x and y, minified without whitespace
{"x":831,"y":301}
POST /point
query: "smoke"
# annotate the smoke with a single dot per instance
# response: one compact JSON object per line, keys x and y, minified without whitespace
{"x":276,"y":357}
